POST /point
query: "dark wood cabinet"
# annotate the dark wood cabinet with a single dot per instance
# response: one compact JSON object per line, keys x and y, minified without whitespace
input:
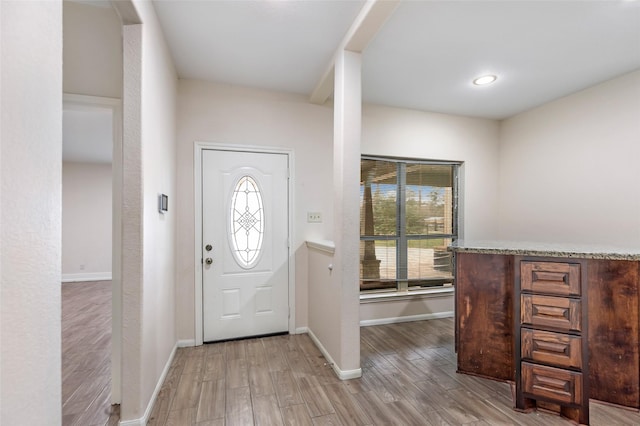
{"x":558,"y":278}
{"x":614,"y":365}
{"x":561,"y":313}
{"x":559,"y":349}
{"x":551,"y":355}
{"x":485,"y":333}
{"x":552,"y":384}
{"x":484,"y":311}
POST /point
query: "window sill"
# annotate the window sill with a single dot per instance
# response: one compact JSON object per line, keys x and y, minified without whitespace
{"x":406,"y":295}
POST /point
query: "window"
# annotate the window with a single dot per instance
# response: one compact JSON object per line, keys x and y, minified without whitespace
{"x":246,"y":222}
{"x":407,"y":220}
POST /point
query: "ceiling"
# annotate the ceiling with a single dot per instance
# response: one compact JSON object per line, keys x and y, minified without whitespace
{"x":424,"y":57}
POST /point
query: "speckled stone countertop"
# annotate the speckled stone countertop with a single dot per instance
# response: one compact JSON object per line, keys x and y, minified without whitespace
{"x":523,"y":248}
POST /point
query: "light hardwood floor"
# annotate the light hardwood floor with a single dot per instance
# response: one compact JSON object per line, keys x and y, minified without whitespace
{"x":408,"y":378}
{"x":86,"y":354}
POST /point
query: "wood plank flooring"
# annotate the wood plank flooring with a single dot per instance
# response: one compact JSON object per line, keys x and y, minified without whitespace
{"x":86,"y":354}
{"x":408,"y":378}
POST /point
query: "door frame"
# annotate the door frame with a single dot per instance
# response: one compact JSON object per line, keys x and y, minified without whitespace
{"x":199,"y":147}
{"x":115,"y":105}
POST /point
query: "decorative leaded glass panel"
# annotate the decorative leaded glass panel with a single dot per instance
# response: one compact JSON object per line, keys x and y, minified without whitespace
{"x":246,"y":218}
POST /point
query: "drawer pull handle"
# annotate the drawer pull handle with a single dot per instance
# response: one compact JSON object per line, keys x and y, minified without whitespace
{"x":550,"y":311}
{"x":551,"y":383}
{"x":546,"y":278}
{"x":551,"y":347}
{"x":558,"y":393}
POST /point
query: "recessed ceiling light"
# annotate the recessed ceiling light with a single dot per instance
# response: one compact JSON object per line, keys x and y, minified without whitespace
{"x":484,"y":80}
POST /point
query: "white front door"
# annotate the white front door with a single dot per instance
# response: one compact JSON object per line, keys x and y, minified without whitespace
{"x":245,"y":275}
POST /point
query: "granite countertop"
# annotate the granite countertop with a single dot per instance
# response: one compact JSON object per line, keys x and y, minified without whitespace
{"x":524,"y":248}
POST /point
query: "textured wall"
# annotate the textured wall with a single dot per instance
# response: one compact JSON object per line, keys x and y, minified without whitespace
{"x":30,"y":171}
{"x":132,"y":227}
{"x":148,"y":255}
{"x":347,"y":131}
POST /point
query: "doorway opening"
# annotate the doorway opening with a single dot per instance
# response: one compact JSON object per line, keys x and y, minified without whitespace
{"x":91,"y":246}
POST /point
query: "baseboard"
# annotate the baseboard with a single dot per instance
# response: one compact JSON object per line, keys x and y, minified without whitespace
{"x":87,"y":276}
{"x":147,"y":413}
{"x":302,"y":330}
{"x":408,"y":318}
{"x":342,"y":374}
{"x":188,"y":343}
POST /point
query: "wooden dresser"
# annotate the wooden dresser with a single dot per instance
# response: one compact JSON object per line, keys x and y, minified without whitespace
{"x":563,"y":325}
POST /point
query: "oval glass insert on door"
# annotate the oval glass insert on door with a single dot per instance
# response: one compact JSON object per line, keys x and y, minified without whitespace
{"x":246,"y":218}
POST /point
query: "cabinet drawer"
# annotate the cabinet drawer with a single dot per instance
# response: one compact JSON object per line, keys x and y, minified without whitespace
{"x":550,"y":277}
{"x":555,"y":384}
{"x":561,"y":350}
{"x":548,"y":311}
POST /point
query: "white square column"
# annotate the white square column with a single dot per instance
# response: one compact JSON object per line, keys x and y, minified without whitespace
{"x":346,"y":201}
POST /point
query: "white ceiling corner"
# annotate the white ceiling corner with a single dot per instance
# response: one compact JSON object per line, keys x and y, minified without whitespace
{"x":364,"y":28}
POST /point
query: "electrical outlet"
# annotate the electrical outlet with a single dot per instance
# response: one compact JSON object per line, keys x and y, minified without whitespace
{"x":314,"y":217}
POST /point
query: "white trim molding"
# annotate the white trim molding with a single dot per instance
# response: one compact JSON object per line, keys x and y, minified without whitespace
{"x":342,"y":374}
{"x":88,"y":276}
{"x":408,"y":318}
{"x":90,"y":100}
{"x":188,"y":343}
{"x":142,"y":421}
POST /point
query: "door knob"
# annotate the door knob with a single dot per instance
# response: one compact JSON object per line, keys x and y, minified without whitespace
{"x":208,"y":247}
{"x":208,"y":261}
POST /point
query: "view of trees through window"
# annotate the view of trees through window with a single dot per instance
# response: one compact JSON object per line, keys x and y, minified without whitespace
{"x":407,"y":220}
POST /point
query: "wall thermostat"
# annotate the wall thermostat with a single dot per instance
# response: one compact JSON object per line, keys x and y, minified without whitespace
{"x":163,"y":203}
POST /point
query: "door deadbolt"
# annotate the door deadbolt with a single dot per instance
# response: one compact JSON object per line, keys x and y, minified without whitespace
{"x":208,"y":247}
{"x":208,"y":261}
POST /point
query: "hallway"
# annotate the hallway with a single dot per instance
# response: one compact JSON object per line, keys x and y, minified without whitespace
{"x":86,"y":354}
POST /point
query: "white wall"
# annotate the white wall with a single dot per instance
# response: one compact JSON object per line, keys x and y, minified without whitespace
{"x":30,"y":176}
{"x":569,"y":169}
{"x":237,"y":115}
{"x":324,"y":313}
{"x":159,"y":88}
{"x":148,"y":258}
{"x":412,"y":308}
{"x":425,"y":135}
{"x":209,"y":112}
{"x":92,"y":50}
{"x":86,"y":221}
{"x":416,"y":134}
